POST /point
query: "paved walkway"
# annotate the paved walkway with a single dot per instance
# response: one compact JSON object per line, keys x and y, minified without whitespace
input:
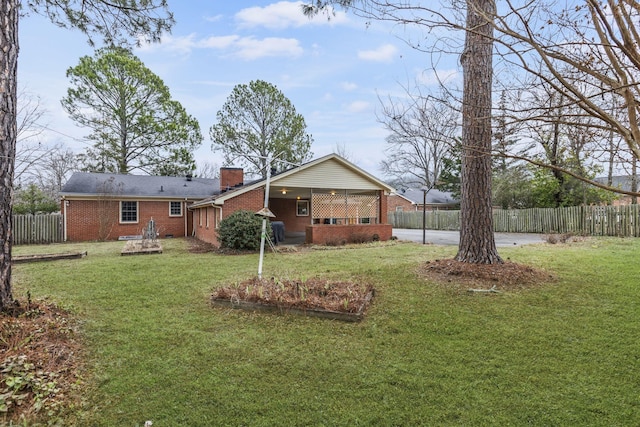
{"x":438,"y":237}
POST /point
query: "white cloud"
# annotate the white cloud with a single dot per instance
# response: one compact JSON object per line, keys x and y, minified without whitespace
{"x":169,"y":43}
{"x":384,"y":53}
{"x":327,"y":97}
{"x":283,"y":14}
{"x":435,"y":77}
{"x":215,"y":18}
{"x":358,"y":106}
{"x":217,"y":42}
{"x":348,"y":86}
{"x":249,"y":48}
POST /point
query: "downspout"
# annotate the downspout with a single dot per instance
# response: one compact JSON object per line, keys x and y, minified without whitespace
{"x":186,"y":223}
{"x":64,"y":216}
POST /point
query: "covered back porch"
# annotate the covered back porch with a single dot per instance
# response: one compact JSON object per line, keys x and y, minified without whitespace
{"x":330,"y":216}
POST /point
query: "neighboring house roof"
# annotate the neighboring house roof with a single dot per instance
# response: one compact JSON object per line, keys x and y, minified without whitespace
{"x":87,"y":184}
{"x":325,"y":172}
{"x":622,"y":182}
{"x":434,"y":197}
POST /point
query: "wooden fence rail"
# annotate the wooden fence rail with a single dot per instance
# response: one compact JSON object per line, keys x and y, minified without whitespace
{"x":37,"y":229}
{"x":623,"y":221}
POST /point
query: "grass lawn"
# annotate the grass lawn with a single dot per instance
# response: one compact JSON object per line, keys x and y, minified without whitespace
{"x":565,"y":353}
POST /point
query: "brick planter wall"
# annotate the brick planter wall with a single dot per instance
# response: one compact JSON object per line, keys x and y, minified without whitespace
{"x":321,"y":234}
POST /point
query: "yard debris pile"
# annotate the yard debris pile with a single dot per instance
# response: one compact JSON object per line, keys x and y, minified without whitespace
{"x":505,"y":277}
{"x":318,"y":294}
{"x":40,"y":354}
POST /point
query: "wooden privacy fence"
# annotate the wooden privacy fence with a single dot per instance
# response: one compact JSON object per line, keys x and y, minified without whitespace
{"x":37,"y":229}
{"x":621,"y":221}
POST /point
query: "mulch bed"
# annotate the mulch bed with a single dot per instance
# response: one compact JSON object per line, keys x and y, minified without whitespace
{"x":40,"y":362}
{"x":508,"y":276}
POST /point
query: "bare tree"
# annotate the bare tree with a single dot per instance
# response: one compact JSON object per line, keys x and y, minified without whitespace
{"x":208,"y":170}
{"x":29,"y":147}
{"x":423,"y":129}
{"x":108,"y":194}
{"x":55,"y":169}
{"x":341,"y":150}
{"x":588,"y":51}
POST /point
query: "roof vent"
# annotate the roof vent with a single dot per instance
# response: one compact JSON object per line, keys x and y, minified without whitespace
{"x":189,"y":177}
{"x":162,"y":188}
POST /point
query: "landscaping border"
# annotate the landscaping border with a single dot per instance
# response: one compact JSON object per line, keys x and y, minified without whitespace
{"x":282,"y":309}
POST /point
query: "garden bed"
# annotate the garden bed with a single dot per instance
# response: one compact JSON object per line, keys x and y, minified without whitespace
{"x":141,"y":247}
{"x":345,"y":301}
{"x":18,"y":259}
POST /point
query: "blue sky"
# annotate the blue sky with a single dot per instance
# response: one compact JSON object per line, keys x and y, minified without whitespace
{"x":333,"y":71}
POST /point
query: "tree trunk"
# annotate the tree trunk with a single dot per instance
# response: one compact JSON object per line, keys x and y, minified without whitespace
{"x":477,"y":242}
{"x":8,"y":135}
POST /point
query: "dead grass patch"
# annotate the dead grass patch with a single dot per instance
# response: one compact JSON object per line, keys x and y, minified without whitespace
{"x":316,"y":294}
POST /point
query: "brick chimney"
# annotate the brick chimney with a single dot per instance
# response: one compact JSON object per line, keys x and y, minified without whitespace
{"x":230,"y":177}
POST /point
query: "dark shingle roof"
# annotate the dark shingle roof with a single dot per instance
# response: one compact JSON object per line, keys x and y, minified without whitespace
{"x":86,"y":184}
{"x":434,"y":197}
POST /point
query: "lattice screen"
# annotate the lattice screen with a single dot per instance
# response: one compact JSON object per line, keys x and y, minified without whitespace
{"x":350,"y":208}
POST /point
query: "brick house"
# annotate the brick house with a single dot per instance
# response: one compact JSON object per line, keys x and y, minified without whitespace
{"x":102,"y":206}
{"x":411,"y":200}
{"x":328,"y":198}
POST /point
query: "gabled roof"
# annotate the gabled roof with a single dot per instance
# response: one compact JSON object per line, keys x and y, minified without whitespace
{"x":303,"y":174}
{"x":87,"y":184}
{"x":434,"y":197}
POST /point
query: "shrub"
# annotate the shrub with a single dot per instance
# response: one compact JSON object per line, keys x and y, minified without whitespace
{"x":335,"y":241}
{"x":360,"y":238}
{"x":240,"y":230}
{"x":558,"y":238}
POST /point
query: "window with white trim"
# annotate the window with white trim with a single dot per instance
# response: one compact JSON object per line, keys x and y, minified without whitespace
{"x":175,"y":208}
{"x":128,"y":211}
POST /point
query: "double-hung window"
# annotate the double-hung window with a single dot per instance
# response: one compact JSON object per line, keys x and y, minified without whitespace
{"x":175,"y":208}
{"x":128,"y":211}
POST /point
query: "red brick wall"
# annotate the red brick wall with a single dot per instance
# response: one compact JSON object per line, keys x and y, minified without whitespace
{"x":396,"y":201}
{"x":285,"y":210}
{"x":206,"y":231}
{"x":85,"y":218}
{"x":321,"y":234}
{"x":252,"y":201}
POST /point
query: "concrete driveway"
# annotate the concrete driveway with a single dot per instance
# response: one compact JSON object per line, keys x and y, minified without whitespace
{"x":438,"y":237}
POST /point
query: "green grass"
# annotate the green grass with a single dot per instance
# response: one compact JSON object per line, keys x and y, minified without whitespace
{"x":566,"y":353}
